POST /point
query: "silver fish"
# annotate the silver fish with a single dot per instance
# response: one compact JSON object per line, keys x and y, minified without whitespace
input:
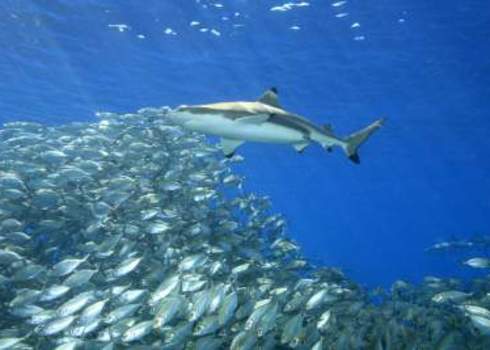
{"x":56,"y":326}
{"x":121,"y":313}
{"x":54,"y":292}
{"x":168,"y":286}
{"x":67,"y":266}
{"x":228,"y":307}
{"x":168,"y":309}
{"x":76,"y":303}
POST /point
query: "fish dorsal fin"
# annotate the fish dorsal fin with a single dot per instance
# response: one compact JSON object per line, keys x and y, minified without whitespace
{"x":270,"y":98}
{"x":229,"y":146}
{"x":253,"y":119}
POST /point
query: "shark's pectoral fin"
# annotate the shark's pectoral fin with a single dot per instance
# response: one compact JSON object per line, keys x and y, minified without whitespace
{"x":300,"y":147}
{"x":229,"y":146}
{"x":254,"y":119}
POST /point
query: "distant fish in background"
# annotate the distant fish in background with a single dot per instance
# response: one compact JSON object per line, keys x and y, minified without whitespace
{"x":454,"y":244}
{"x":265,"y":120}
{"x":478,"y":263}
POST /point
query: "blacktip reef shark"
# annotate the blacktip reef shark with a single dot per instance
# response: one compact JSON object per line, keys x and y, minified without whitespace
{"x":265,"y":120}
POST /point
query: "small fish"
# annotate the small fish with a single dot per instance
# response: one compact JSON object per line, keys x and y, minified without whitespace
{"x":318,"y":345}
{"x":450,"y":296}
{"x":481,"y":323}
{"x":158,"y":227}
{"x":475,"y":310}
{"x":8,"y":256}
{"x":316,"y":299}
{"x":228,"y":307}
{"x":43,"y":317}
{"x":25,"y":296}
{"x":206,"y":326}
{"x":478,"y":263}
{"x":138,"y":331}
{"x":192,"y":262}
{"x":76,"y":303}
{"x":70,"y":344}
{"x":126,"y":267}
{"x":28,"y":272}
{"x":92,"y":312}
{"x":268,"y":320}
{"x":8,"y":343}
{"x":178,"y":334}
{"x":169,"y":308}
{"x":167,"y":287}
{"x":83,"y":329}
{"x":131,"y":296}
{"x":292,"y":329}
{"x":79,"y":278}
{"x":245,"y":340}
{"x":121,"y":312}
{"x":26,"y":311}
{"x":56,"y":326}
{"x":54,"y":292}
{"x":199,"y":305}
{"x":257,"y":314}
{"x":67,"y":266}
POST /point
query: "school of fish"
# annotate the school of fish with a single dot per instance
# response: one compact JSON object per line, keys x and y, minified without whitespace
{"x":131,"y":233}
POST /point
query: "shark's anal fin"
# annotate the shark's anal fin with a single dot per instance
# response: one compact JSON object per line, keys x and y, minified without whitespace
{"x":253,"y":119}
{"x":300,"y":147}
{"x":229,"y":146}
{"x":270,"y":98}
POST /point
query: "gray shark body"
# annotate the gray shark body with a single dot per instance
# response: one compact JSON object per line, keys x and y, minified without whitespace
{"x":264,"y":120}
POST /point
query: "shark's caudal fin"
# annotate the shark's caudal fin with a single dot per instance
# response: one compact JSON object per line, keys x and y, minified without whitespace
{"x":353,"y":141}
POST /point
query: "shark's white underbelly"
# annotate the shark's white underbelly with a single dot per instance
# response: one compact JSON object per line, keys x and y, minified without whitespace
{"x":235,"y":129}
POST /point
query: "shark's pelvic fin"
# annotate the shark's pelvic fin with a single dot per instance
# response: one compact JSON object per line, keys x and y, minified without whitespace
{"x":229,"y":146}
{"x":300,"y":147}
{"x":253,"y":119}
{"x":270,"y":98}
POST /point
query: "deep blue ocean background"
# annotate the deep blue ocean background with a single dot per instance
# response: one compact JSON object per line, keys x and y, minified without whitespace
{"x":425,"y":66}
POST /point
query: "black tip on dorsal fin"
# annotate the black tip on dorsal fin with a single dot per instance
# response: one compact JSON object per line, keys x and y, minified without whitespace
{"x":274,"y":90}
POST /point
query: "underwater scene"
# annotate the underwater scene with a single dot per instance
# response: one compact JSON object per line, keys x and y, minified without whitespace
{"x":244,"y":174}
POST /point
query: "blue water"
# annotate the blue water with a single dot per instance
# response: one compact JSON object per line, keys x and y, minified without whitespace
{"x":425,"y":66}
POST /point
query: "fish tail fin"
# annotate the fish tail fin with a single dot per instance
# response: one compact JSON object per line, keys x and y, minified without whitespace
{"x":353,"y":141}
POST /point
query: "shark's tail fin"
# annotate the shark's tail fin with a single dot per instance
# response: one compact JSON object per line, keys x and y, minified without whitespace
{"x":353,"y":141}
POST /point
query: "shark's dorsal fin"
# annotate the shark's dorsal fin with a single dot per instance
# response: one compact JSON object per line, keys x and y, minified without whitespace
{"x":270,"y":98}
{"x":229,"y":146}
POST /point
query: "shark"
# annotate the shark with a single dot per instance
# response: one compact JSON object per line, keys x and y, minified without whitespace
{"x":265,"y":120}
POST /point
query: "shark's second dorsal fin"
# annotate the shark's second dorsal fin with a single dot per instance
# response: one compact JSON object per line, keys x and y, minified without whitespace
{"x":327,"y":127}
{"x":270,"y":98}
